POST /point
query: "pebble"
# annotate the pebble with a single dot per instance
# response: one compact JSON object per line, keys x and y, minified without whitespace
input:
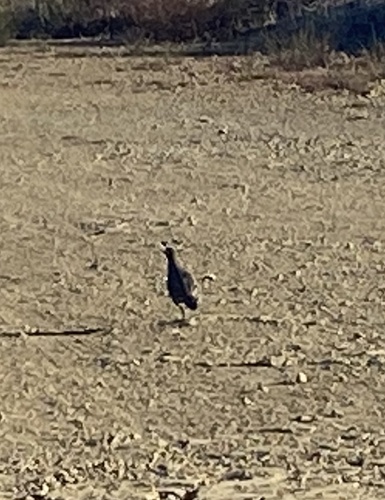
{"x":301,"y":378}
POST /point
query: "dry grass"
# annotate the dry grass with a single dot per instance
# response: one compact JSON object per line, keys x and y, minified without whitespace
{"x":276,"y":389}
{"x":303,"y":56}
{"x":6,"y":30}
{"x":299,"y":50}
{"x":339,"y":72}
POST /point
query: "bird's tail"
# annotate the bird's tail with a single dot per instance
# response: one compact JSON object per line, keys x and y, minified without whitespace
{"x":191,"y":302}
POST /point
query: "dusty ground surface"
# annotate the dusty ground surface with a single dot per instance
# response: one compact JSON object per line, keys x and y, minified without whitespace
{"x":276,"y":389}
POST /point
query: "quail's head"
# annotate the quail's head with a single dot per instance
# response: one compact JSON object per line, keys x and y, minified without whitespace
{"x":169,"y":252}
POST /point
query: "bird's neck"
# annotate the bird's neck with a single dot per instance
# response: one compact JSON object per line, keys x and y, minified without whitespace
{"x":171,"y":260}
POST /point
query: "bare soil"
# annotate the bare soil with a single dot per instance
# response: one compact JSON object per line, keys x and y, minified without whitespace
{"x":275,"y":389}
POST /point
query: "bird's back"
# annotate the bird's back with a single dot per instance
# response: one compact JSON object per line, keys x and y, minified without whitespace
{"x":180,"y":285}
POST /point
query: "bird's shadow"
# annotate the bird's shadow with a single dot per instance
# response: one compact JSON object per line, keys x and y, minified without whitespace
{"x":181,"y":323}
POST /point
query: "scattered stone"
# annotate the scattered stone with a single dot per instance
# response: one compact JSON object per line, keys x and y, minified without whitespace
{"x":237,"y":475}
{"x":192,"y":220}
{"x":301,"y":378}
{"x":247,"y":401}
{"x":193,"y":321}
{"x":277,"y":361}
{"x":205,"y":119}
{"x":355,"y":460}
{"x":31,"y":330}
{"x":305,"y":418}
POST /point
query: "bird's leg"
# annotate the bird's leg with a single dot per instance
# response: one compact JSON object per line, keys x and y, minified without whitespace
{"x":183,"y":312}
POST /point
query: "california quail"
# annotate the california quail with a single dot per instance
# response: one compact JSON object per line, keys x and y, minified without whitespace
{"x":180,"y":283}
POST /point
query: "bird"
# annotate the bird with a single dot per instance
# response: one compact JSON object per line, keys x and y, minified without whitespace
{"x":180,"y":283}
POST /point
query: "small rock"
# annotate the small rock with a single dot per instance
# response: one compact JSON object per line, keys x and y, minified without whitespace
{"x":334,"y":413}
{"x":247,"y":401}
{"x":196,"y":201}
{"x":301,"y":378}
{"x":30,"y":329}
{"x":277,"y":361}
{"x":350,"y":434}
{"x":205,"y":119}
{"x":209,"y":277}
{"x":305,"y":418}
{"x":193,"y":321}
{"x":237,"y":475}
{"x":263,"y":388}
{"x":355,"y":460}
{"x":192,"y":220}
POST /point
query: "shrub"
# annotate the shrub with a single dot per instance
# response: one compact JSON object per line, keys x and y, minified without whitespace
{"x":6,"y":26}
{"x":171,"y":20}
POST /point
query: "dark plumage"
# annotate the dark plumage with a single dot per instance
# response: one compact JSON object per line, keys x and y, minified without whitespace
{"x":180,"y":283}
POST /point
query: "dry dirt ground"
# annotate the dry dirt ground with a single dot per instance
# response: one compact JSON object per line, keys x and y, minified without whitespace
{"x":276,"y":388}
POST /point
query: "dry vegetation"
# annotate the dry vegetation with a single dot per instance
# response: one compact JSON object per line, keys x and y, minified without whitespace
{"x":309,"y":55}
{"x":265,"y":171}
{"x":174,"y":20}
{"x":276,"y":389}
